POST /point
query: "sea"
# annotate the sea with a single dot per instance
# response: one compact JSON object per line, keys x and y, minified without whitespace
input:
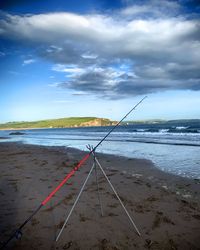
{"x":172,"y":147}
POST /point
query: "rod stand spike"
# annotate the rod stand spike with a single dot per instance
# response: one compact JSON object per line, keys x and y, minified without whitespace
{"x":90,"y":148}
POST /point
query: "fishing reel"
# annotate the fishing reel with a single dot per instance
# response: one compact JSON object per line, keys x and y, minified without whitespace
{"x":18,"y":234}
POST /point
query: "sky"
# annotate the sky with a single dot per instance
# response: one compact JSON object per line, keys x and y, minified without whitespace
{"x":99,"y":58}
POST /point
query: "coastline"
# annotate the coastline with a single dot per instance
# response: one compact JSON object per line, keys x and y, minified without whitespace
{"x":74,"y":126}
{"x":165,"y":207}
{"x":10,"y":129}
{"x":24,"y":129}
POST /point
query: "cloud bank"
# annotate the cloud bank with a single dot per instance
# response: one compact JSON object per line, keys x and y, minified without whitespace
{"x":137,"y":50}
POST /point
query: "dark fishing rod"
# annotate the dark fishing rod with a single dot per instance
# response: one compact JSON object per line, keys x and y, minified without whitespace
{"x":117,"y":125}
{"x":18,"y":233}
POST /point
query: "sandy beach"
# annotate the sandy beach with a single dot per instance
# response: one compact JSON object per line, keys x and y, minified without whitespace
{"x":165,"y":207}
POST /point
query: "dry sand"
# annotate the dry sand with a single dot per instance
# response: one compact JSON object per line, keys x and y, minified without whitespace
{"x":166,"y":208}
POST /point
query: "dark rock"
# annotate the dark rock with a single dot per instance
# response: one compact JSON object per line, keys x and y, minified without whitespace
{"x":17,"y":133}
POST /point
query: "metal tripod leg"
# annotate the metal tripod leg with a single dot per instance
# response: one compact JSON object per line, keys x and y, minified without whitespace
{"x":86,"y":180}
{"x":131,"y":220}
{"x":78,"y":197}
{"x":97,"y":182}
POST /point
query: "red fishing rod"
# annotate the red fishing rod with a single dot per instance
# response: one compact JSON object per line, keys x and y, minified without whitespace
{"x":18,"y":233}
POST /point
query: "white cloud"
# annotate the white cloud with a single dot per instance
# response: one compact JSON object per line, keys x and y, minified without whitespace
{"x":2,"y":54}
{"x":70,"y":69}
{"x":89,"y":56}
{"x":152,"y":8}
{"x":28,"y":61}
{"x":55,"y":84}
{"x":117,"y":38}
{"x":160,"y":46}
{"x":79,"y":93}
{"x":53,"y":48}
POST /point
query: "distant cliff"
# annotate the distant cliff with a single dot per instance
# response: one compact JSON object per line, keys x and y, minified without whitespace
{"x":60,"y":123}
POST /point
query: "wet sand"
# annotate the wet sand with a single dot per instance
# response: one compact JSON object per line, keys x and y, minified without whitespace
{"x":165,"y":208}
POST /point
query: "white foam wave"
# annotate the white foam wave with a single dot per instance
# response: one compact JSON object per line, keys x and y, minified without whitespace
{"x":181,"y":127}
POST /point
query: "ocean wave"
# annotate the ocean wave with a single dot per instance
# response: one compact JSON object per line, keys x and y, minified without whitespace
{"x":164,"y":130}
{"x":181,"y":127}
{"x":141,"y":130}
{"x":120,"y":139}
{"x":175,"y":130}
{"x":184,"y":131}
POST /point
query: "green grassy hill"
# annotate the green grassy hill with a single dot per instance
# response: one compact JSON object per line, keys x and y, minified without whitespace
{"x":59,"y":123}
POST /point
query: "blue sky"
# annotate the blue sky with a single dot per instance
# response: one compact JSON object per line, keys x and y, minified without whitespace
{"x":98,"y":58}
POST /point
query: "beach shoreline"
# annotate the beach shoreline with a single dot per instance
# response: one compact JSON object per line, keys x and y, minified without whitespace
{"x":165,"y":207}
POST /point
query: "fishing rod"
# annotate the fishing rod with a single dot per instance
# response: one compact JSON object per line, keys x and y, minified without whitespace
{"x":18,"y":233}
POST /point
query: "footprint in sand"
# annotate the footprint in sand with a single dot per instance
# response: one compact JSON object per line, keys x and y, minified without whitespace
{"x":159,"y":219}
{"x":196,"y":216}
